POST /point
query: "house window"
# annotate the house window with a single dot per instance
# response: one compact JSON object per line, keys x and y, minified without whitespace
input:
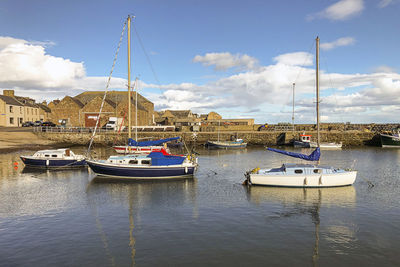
{"x":11,"y":109}
{"x":11,"y":120}
{"x":20,"y":120}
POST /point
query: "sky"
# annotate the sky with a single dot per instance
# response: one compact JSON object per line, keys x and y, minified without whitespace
{"x":237,"y":58}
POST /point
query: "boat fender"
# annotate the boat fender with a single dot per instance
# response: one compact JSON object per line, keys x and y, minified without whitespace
{"x":320,"y":180}
{"x":47,"y":162}
{"x":255,"y":170}
{"x":186,"y":169}
{"x":305,"y":181}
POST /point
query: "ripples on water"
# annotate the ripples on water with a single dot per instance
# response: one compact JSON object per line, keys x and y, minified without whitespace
{"x":68,"y":218}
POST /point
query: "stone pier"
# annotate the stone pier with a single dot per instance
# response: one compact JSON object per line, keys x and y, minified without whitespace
{"x":268,"y":138}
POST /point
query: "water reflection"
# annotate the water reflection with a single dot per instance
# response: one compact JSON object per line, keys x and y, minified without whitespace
{"x":137,"y":197}
{"x":311,"y":201}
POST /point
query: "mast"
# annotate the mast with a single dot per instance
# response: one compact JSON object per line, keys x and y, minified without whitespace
{"x":136,"y":107}
{"x":317,"y":85}
{"x":129,"y":78}
{"x":294,"y":84}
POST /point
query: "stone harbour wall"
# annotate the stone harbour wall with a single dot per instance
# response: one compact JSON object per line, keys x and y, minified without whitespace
{"x":349,"y":138}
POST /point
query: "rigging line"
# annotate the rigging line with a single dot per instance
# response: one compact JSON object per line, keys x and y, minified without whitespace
{"x":108,"y":84}
{"x":331,"y":85}
{"x":304,"y":63}
{"x":147,"y":57}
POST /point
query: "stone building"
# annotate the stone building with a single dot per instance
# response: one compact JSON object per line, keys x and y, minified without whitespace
{"x":11,"y":112}
{"x":83,"y":109}
{"x":66,"y":109}
{"x":15,"y":110}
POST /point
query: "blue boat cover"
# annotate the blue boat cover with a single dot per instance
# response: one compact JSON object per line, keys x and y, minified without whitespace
{"x":159,"y":159}
{"x":314,"y":156}
{"x":132,"y":142}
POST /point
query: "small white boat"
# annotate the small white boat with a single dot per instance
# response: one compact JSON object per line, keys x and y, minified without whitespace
{"x":62,"y":157}
{"x":302,"y":175}
{"x":332,"y":145}
{"x":238,"y":143}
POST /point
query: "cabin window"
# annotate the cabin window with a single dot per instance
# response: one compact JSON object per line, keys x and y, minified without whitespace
{"x":298,"y":171}
{"x":317,"y":171}
{"x":47,"y":156}
{"x":146,"y":162}
{"x":133,"y":161}
{"x":120,"y":161}
{"x":54,"y":156}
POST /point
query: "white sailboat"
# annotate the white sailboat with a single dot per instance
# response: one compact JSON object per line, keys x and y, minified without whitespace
{"x":303,"y":175}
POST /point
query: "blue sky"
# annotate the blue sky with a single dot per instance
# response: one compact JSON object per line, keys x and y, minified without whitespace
{"x":238,"y":58}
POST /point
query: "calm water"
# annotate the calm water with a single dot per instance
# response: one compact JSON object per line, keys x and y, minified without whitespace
{"x":65,"y":218}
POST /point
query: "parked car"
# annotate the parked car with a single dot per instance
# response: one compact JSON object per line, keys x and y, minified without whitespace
{"x":37,"y":123}
{"x":28,"y":124}
{"x":48,"y":124}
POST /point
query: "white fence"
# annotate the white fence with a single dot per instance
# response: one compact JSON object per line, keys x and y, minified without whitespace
{"x":60,"y":129}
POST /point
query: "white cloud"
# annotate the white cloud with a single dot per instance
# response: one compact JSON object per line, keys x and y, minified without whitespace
{"x":342,"y":10}
{"x":344,"y":41}
{"x":385,"y":3}
{"x":25,"y":66}
{"x":225,"y":61}
{"x":265,"y":91}
{"x":295,"y":59}
{"x":28,"y":64}
{"x":384,"y":69}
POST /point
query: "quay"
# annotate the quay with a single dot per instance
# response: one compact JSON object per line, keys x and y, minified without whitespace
{"x":266,"y":138}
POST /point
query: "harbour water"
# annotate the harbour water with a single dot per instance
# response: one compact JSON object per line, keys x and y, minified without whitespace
{"x":67,"y":218}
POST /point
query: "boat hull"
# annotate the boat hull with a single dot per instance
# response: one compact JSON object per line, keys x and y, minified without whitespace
{"x":300,"y":144}
{"x":52,"y":163}
{"x":225,"y":145}
{"x":312,"y":180}
{"x":390,"y":141}
{"x":141,"y":172}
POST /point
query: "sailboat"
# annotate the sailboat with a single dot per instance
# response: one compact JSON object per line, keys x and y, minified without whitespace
{"x":156,"y":165}
{"x":303,"y":175}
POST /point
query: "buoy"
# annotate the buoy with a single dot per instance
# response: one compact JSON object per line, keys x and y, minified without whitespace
{"x":15,"y":163}
{"x":15,"y":167}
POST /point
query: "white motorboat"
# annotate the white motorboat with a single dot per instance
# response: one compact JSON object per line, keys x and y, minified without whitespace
{"x":62,"y":157}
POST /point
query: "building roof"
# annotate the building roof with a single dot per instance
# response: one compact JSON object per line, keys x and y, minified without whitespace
{"x":181,"y":114}
{"x":44,"y":107}
{"x":10,"y":100}
{"x":114,"y":96}
{"x":26,"y":101}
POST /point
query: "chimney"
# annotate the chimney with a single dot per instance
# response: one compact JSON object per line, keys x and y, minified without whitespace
{"x":8,"y":93}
